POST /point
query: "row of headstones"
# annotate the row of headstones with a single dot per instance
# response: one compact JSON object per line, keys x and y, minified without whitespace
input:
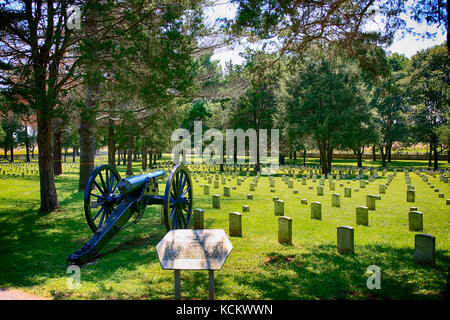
{"x":299,"y":170}
{"x":410,"y":191}
{"x":424,"y":244}
{"x":424,"y":247}
{"x":252,"y":187}
{"x":362,"y":217}
{"x":316,"y":207}
{"x":26,"y":172}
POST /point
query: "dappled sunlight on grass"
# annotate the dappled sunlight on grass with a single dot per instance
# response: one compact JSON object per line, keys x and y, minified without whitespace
{"x":34,"y":247}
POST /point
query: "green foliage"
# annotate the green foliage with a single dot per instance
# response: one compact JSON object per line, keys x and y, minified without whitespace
{"x":2,"y":135}
{"x":429,"y":94}
{"x":389,"y":102}
{"x":255,"y":107}
{"x":324,"y":100}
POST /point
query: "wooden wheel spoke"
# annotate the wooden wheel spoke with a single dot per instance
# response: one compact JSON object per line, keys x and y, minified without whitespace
{"x":115,"y":187}
{"x":98,"y":213}
{"x":99,"y":189}
{"x":180,"y":182}
{"x":107,"y":181}
{"x":95,"y":195}
{"x":183,"y":219}
{"x":97,"y":204}
{"x":172,"y":212}
{"x":183,"y":184}
{"x":174,"y":217}
{"x":175,"y":187}
{"x":103,"y":181}
{"x":111,"y":182}
{"x":108,"y":212}
{"x":184,"y":192}
{"x":101,"y":219}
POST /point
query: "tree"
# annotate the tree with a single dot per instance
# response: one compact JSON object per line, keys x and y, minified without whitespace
{"x":360,"y":135}
{"x":254,"y":109}
{"x":10,"y":126}
{"x":35,"y":38}
{"x":443,"y":133}
{"x":388,"y":100}
{"x":429,"y":96}
{"x":324,"y":100}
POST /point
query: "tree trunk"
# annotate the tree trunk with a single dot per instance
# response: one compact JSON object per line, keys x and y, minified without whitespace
{"x":383,"y":157}
{"x":374,"y":153}
{"x":27,"y":145}
{"x":281,"y":159}
{"x":330,"y":157}
{"x":11,"y":149}
{"x":359,"y":155}
{"x":92,"y":81}
{"x":304,"y":157}
{"x":124,"y":158}
{"x":389,"y":153}
{"x":435,"y":152}
{"x":87,"y":151}
{"x":430,"y":154}
{"x":111,"y":145}
{"x":144,"y":158}
{"x":130,"y":156}
{"x":57,"y":147}
{"x":257,"y":164}
{"x":326,"y":155}
{"x":150,"y":158}
{"x":49,"y":198}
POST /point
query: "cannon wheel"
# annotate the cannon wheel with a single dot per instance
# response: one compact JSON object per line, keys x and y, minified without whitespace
{"x":102,"y":184}
{"x":178,"y":198}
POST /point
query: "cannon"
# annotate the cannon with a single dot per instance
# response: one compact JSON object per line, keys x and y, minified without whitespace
{"x":110,"y":202}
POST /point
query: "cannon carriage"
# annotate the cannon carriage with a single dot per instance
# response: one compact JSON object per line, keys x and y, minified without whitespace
{"x":110,"y":202}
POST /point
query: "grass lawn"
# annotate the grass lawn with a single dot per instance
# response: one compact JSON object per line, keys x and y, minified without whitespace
{"x":34,"y":247}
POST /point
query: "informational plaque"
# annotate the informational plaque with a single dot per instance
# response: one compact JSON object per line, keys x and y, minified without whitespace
{"x":194,"y":249}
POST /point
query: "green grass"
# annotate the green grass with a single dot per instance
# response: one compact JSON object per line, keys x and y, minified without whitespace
{"x":34,"y":247}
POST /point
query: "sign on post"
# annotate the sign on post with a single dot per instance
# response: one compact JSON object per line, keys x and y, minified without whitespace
{"x":194,"y":249}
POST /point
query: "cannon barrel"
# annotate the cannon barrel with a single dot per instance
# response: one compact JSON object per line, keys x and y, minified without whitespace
{"x":134,"y":183}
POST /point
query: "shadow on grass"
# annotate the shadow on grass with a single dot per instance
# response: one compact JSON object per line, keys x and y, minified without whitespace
{"x":325,"y":274}
{"x":34,"y":246}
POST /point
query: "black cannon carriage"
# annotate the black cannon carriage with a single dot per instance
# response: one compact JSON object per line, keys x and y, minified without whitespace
{"x":110,"y":202}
